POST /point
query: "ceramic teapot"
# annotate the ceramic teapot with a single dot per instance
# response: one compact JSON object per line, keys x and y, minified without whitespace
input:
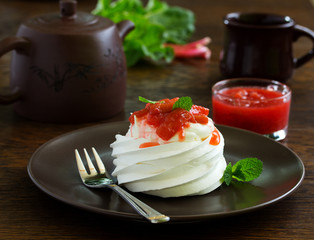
{"x":67,"y":66}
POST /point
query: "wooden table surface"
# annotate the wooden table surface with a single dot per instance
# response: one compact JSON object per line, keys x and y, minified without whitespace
{"x":28,"y":213}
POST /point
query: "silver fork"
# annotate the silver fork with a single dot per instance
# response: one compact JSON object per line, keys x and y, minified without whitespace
{"x":102,"y":179}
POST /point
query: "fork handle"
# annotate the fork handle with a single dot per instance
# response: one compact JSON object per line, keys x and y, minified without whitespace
{"x":140,"y":207}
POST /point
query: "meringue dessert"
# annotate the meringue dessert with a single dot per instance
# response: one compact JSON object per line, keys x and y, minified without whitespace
{"x":172,"y":149}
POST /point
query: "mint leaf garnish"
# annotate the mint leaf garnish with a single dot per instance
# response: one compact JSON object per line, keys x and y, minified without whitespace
{"x":228,"y":174}
{"x":244,"y":170}
{"x":183,"y":102}
{"x":142,"y":99}
{"x":247,"y":169}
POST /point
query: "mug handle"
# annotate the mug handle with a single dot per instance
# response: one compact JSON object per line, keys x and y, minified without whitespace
{"x":298,"y":32}
{"x":8,"y":44}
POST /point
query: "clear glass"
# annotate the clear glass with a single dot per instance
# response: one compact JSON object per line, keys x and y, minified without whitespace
{"x":257,"y":105}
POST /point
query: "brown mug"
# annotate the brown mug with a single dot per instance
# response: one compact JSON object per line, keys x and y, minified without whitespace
{"x":260,"y":45}
{"x":67,"y":66}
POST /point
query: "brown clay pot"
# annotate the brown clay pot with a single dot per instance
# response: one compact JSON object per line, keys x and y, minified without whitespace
{"x":67,"y":66}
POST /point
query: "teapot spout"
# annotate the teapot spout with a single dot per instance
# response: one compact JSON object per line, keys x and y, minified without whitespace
{"x":124,"y":28}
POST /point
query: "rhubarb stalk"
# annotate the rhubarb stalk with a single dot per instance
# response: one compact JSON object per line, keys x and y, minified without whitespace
{"x":196,"y":49}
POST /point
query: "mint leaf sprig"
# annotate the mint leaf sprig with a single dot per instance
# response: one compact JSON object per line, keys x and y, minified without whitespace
{"x":144,"y":100}
{"x":183,"y":102}
{"x":244,"y":170}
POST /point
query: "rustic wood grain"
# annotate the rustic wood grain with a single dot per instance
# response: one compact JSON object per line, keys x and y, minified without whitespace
{"x":28,"y":213}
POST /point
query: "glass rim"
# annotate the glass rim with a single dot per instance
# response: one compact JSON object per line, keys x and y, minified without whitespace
{"x":250,"y":82}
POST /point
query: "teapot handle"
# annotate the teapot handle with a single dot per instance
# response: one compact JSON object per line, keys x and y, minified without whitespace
{"x":6,"y":45}
{"x":124,"y":28}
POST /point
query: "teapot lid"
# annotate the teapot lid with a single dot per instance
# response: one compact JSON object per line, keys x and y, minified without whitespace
{"x":68,"y":21}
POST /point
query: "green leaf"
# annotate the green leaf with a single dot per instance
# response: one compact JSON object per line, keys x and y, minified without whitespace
{"x":247,"y":169}
{"x":183,"y":102}
{"x":177,"y":22}
{"x":244,"y":170}
{"x":237,"y":172}
{"x":227,"y":177}
{"x":156,"y":5}
{"x":142,"y":99}
{"x":155,"y":24}
{"x":100,"y":6}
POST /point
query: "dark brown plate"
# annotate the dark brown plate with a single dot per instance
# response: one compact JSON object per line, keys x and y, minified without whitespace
{"x":53,"y":169}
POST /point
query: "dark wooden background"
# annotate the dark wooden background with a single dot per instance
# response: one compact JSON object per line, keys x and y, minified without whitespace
{"x":28,"y":213}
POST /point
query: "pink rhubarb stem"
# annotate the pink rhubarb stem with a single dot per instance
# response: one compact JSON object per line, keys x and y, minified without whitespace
{"x":201,"y":51}
{"x":204,"y":41}
{"x":193,"y":49}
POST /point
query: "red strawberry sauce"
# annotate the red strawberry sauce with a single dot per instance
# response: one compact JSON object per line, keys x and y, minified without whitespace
{"x":167,"y":121}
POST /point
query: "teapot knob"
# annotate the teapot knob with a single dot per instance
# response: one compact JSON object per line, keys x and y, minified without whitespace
{"x":68,"y":9}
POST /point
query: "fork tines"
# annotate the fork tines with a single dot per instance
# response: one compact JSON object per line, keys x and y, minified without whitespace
{"x":92,"y":170}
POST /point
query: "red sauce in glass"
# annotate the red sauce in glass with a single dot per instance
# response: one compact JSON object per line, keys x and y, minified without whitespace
{"x":256,"y":109}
